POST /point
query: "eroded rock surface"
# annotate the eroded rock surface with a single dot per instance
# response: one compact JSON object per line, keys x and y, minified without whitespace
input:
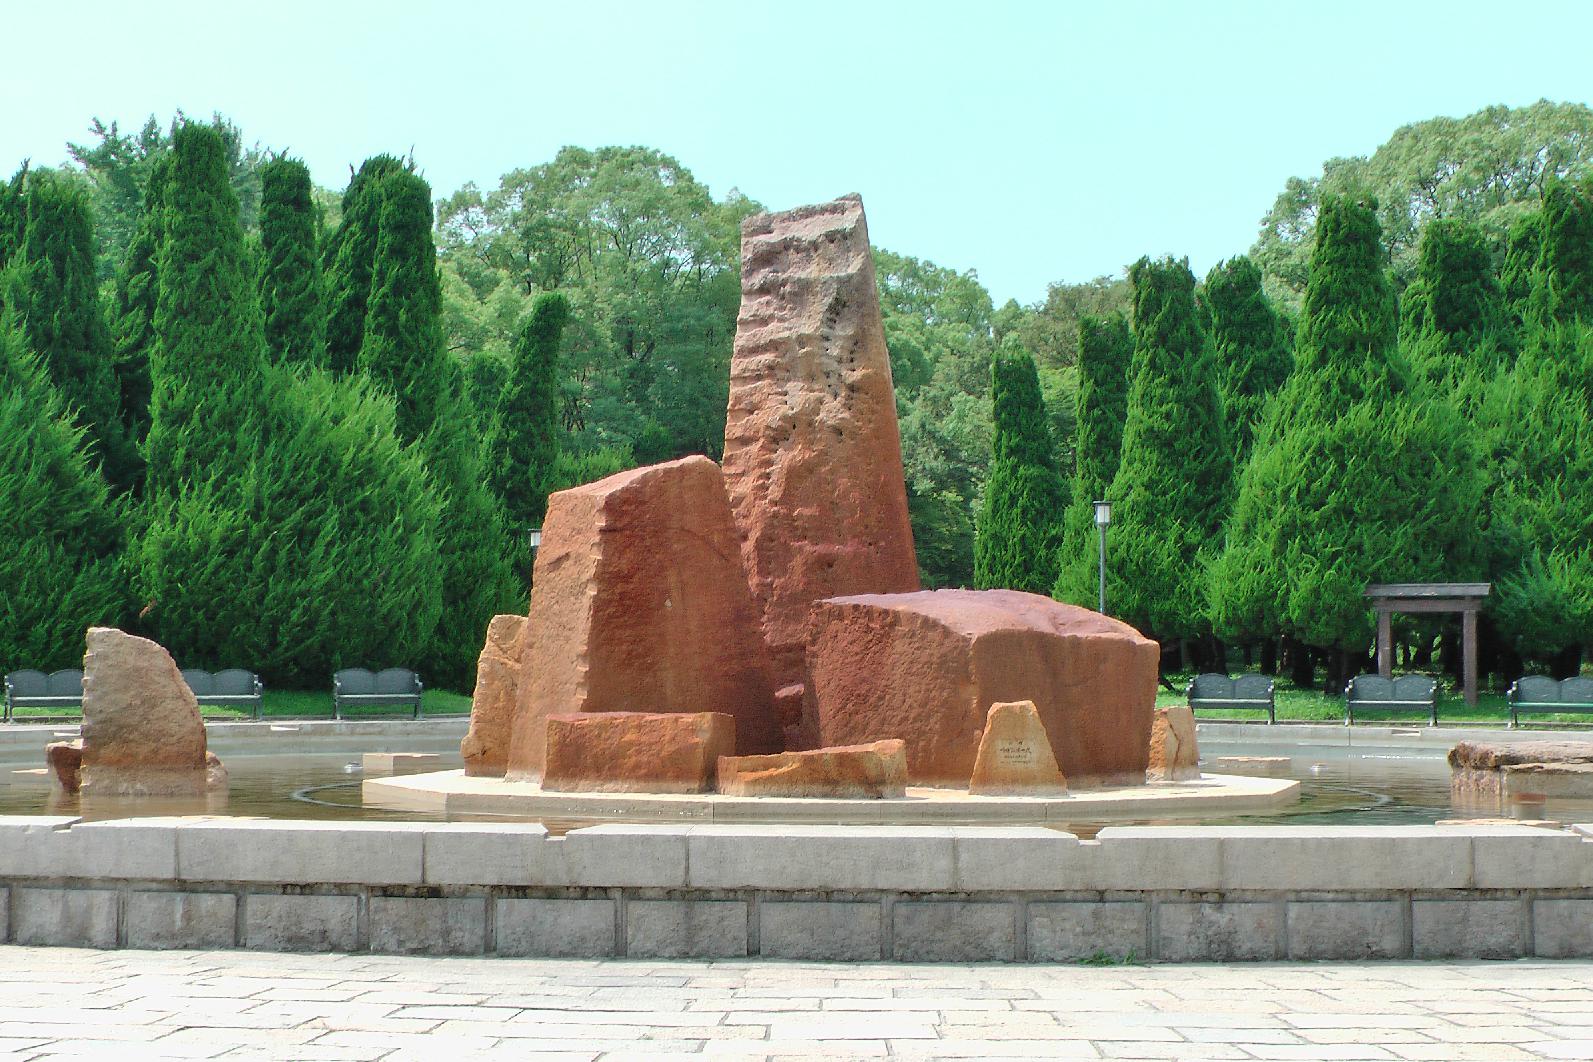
{"x":812,"y":456}
{"x":636,"y":752}
{"x":927,"y":666}
{"x":858,"y":772}
{"x":65,"y":761}
{"x":640,"y":604}
{"x":1174,"y":754}
{"x":1015,"y":757}
{"x":142,"y":735}
{"x":486,"y":746}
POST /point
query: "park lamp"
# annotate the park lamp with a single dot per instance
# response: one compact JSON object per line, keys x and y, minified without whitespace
{"x":536,"y":537}
{"x":1103,"y":513}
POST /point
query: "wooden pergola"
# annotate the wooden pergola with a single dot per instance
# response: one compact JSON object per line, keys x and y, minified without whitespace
{"x":1464,"y":598}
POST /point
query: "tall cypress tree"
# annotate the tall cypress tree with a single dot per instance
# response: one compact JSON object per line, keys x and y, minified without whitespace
{"x":133,"y":309}
{"x":290,"y":276}
{"x":1253,"y":357}
{"x":1564,"y":288}
{"x":1019,"y":528}
{"x":1356,"y":478}
{"x":1454,"y":317}
{"x":1523,"y":245}
{"x":524,"y":444}
{"x":1106,"y":348}
{"x":1175,"y":480}
{"x":52,"y":291}
{"x":13,"y":215}
{"x":350,"y":258}
{"x":61,"y":566}
{"x":403,"y":346}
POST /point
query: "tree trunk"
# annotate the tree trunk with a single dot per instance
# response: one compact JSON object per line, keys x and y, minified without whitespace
{"x":1302,"y":666}
{"x":1567,"y":663}
{"x":1269,"y":657}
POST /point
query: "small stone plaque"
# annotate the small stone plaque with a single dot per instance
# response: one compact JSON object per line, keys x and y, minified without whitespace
{"x":1015,"y":756}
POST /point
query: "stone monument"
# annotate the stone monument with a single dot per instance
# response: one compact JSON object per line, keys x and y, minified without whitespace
{"x":492,"y":706}
{"x":1015,"y":757}
{"x":1174,"y":754}
{"x":812,"y":457}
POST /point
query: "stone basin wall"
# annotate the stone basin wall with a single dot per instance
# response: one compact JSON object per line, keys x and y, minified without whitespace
{"x":1169,"y":894}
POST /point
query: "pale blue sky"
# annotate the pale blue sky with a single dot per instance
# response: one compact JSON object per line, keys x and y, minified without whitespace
{"x":1032,"y":141}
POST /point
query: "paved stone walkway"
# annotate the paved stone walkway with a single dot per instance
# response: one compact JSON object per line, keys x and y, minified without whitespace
{"x":57,"y":1002}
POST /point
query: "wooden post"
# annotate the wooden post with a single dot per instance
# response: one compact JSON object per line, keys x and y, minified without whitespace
{"x":1468,"y":654}
{"x":1385,"y":643}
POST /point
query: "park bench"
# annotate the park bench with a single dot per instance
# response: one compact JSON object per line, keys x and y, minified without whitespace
{"x":35,"y":689}
{"x":358,"y":687}
{"x":1538,"y":693}
{"x":1212,"y":690}
{"x":233,"y":688}
{"x":1376,"y":693}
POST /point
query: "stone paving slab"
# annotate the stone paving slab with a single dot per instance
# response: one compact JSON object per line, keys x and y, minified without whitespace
{"x":129,"y":1004}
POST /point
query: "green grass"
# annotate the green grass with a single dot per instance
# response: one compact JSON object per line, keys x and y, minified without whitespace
{"x":1298,"y":705}
{"x":296,"y":704}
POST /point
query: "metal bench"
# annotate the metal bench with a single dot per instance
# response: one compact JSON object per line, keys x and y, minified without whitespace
{"x":1538,"y":693}
{"x":1251,"y":692}
{"x":1376,"y":693}
{"x":232,"y":688}
{"x":35,"y":689}
{"x":358,"y":687}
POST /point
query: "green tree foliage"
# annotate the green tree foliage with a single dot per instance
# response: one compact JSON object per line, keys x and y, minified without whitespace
{"x":524,"y":447}
{"x":1106,"y":349}
{"x":649,"y":262}
{"x":1454,"y":321}
{"x":13,"y":218}
{"x":1253,"y":357}
{"x":403,"y":346}
{"x":1564,"y":289}
{"x":1356,"y":477}
{"x":61,"y":567}
{"x":290,"y":277}
{"x":208,"y":332}
{"x":1523,"y":244}
{"x":50,"y":288}
{"x":289,"y":530}
{"x":350,"y":259}
{"x":1489,"y":167}
{"x":133,"y":307}
{"x":1175,"y":479}
{"x":119,"y":166}
{"x":938,"y":328}
{"x":1020,"y":521}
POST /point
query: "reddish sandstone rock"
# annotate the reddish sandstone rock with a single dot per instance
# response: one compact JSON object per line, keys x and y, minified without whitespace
{"x":65,"y":761}
{"x":1174,"y":756}
{"x":1015,"y":757}
{"x":142,"y":735}
{"x":812,"y":457}
{"x":928,"y":666}
{"x":636,"y":752}
{"x":640,"y":603}
{"x":486,"y":747}
{"x":868,"y":772}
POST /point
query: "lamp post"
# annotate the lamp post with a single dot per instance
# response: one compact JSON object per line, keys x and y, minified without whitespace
{"x":536,"y":538}
{"x":1103,"y":517}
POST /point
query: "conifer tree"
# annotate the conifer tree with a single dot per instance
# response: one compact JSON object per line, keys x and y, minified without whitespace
{"x":1453,"y":314}
{"x":1019,"y":528}
{"x":524,"y":446}
{"x":61,"y":566}
{"x":350,"y":259}
{"x":133,"y":309}
{"x":289,"y":530}
{"x":1564,"y":288}
{"x":1174,"y":483}
{"x":13,"y":217}
{"x":1253,"y":358}
{"x":1523,"y":244}
{"x":290,"y":277}
{"x":1106,"y":348}
{"x":403,"y":346}
{"x":52,"y":292}
{"x":1331,"y":499}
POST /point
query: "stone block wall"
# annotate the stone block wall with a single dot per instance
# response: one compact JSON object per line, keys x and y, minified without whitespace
{"x":911,"y":894}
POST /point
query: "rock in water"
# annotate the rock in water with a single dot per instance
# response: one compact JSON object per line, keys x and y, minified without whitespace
{"x":486,"y":747}
{"x":142,"y":735}
{"x":856,"y":772}
{"x":1015,"y":757}
{"x":637,"y":752}
{"x":1174,"y":755}
{"x":640,"y":604}
{"x":65,"y":761}
{"x":926,"y":667}
{"x":813,"y":460}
